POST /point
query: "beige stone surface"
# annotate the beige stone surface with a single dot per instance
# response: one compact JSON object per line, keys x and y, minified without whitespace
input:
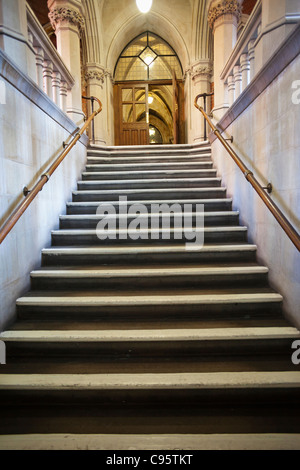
{"x":30,"y":141}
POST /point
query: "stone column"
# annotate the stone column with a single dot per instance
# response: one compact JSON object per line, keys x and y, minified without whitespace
{"x":223,"y":18}
{"x":231,"y":90}
{"x":237,"y":73}
{"x":63,"y":96}
{"x":47,"y":76}
{"x":39,"y":58}
{"x":56,"y":81}
{"x":67,"y":19}
{"x":245,"y":67}
{"x":201,"y":73}
{"x":95,"y":78}
{"x":251,"y":52}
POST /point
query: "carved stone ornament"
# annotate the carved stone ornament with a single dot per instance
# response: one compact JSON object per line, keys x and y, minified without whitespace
{"x":201,"y":70}
{"x":94,"y":75}
{"x":223,"y":7}
{"x":67,"y":15}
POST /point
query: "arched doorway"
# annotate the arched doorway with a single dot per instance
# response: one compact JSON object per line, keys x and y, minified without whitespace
{"x":148,"y":92}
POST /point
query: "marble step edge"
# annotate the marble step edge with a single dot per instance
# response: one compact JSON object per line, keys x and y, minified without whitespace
{"x":150,"y":442}
{"x":165,"y":172}
{"x":150,"y":381}
{"x":152,"y":214}
{"x":117,"y":250}
{"x":148,"y":272}
{"x":200,"y":334}
{"x":150,"y":201}
{"x":151,"y":180}
{"x":147,"y":300}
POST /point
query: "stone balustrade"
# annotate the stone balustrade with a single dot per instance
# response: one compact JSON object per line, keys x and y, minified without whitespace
{"x":52,"y":75}
{"x":240,"y":67}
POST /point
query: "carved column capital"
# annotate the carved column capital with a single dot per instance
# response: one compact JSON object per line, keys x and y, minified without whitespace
{"x":96,"y":74}
{"x":201,"y":70}
{"x":66,"y":15}
{"x":223,"y":7}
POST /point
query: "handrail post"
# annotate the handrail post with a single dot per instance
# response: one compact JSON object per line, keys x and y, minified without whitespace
{"x":279,"y":216}
{"x":92,"y":99}
{"x":204,"y":96}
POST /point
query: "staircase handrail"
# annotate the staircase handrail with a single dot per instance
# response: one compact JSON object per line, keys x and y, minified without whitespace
{"x":279,"y":216}
{"x":30,"y":195}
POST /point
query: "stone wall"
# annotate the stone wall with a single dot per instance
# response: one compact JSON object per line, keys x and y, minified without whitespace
{"x":32,"y":129}
{"x":266,"y":136}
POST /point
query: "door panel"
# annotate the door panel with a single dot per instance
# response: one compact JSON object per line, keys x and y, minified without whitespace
{"x":133,"y":112}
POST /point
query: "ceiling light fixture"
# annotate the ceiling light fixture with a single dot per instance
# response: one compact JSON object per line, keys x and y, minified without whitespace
{"x":150,"y":99}
{"x":144,"y":5}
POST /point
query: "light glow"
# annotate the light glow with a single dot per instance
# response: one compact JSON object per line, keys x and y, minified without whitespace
{"x":150,"y":99}
{"x":144,"y":5}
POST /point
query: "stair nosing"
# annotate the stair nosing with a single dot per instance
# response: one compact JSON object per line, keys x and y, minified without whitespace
{"x":147,"y":300}
{"x":128,"y":272}
{"x":215,"y":380}
{"x":208,"y":334}
{"x":140,"y":249}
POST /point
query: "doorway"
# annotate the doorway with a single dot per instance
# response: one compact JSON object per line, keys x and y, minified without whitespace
{"x":148,"y":93}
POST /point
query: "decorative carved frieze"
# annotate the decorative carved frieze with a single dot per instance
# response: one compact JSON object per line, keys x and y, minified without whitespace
{"x":66,"y":15}
{"x":222,"y":8}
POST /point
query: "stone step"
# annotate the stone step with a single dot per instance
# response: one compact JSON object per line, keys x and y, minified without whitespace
{"x":141,"y":305}
{"x":149,"y":442}
{"x":91,"y":221}
{"x":159,"y":194}
{"x":193,"y":238}
{"x":136,"y":152}
{"x":253,"y":388}
{"x":148,"y":174}
{"x":145,"y":167}
{"x":148,"y":278}
{"x":223,"y":204}
{"x":158,"y":345}
{"x":154,"y":184}
{"x":145,"y":254}
{"x":166,"y":152}
{"x":203,"y":157}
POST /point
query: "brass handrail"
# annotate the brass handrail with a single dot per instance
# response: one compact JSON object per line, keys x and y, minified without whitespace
{"x":21,"y":208}
{"x":283,"y":221}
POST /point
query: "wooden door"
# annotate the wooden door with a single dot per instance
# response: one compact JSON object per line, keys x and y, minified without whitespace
{"x":133,"y":112}
{"x":175,"y":109}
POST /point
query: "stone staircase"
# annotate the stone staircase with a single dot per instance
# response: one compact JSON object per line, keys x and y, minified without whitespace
{"x":145,"y":344}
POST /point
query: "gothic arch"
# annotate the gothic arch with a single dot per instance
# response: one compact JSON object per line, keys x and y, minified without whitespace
{"x":136,"y":25}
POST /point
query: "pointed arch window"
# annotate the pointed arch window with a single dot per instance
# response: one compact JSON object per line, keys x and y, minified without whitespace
{"x":147,"y":57}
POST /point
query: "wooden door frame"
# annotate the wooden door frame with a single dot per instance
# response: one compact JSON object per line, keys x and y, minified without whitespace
{"x":181,"y":114}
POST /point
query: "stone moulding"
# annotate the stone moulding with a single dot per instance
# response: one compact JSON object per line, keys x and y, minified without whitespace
{"x":222,"y":8}
{"x":66,"y":15}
